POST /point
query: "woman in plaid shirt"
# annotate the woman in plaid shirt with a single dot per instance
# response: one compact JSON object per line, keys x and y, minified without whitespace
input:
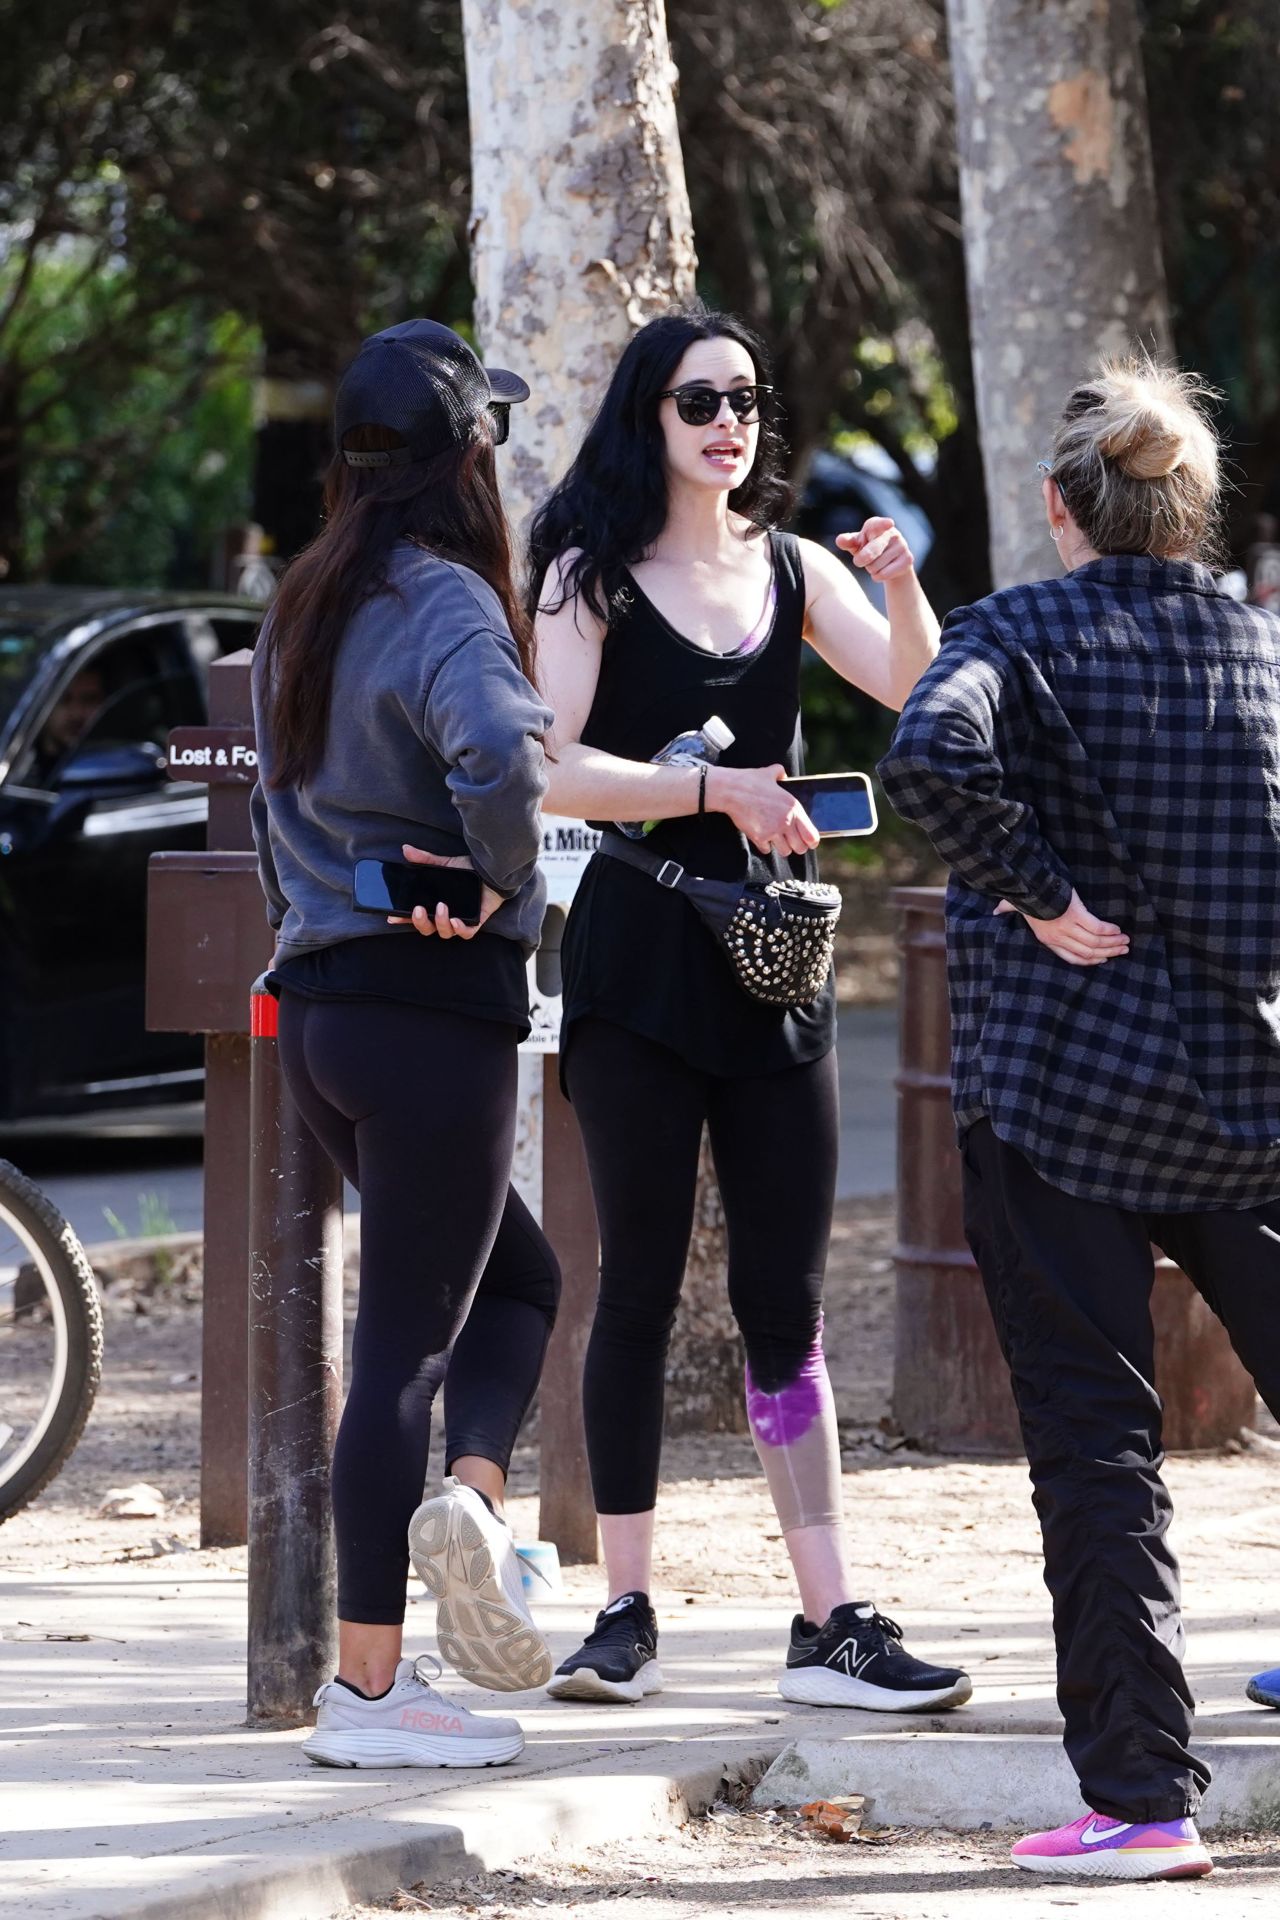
{"x":1097,"y":759}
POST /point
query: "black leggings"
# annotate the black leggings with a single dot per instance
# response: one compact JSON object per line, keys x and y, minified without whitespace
{"x":457,"y":1284}
{"x":642,"y":1108}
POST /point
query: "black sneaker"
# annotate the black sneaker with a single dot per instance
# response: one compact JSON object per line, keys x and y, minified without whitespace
{"x":618,"y":1660}
{"x":858,"y":1660}
{"x":803,"y":1634}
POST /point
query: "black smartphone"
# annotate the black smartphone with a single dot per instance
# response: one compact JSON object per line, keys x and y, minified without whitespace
{"x":839,"y":804}
{"x":391,"y":886}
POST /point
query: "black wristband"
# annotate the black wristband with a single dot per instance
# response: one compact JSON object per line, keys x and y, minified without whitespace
{"x":702,"y":788}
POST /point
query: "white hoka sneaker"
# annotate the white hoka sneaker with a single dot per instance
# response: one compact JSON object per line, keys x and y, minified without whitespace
{"x":467,"y":1561}
{"x":411,"y":1726}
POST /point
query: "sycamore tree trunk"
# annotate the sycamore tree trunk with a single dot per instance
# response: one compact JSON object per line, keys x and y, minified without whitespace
{"x":1061,"y":242}
{"x":580,"y":226}
{"x":580,"y":232}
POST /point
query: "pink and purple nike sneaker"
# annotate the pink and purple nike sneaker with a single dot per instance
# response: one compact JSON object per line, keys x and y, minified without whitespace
{"x":1105,"y":1849}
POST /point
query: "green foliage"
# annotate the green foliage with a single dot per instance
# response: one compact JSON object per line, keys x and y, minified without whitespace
{"x":1213,"y":82}
{"x":134,"y":476}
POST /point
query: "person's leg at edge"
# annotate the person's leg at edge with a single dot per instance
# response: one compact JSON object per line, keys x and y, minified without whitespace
{"x":403,"y":1152}
{"x":641,"y":1110}
{"x":459,"y":1540}
{"x":1069,"y":1284}
{"x":1233,"y":1259}
{"x":772,"y":1136}
{"x":497,"y":1358}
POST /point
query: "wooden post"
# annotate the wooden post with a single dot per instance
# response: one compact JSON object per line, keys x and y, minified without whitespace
{"x":951,"y":1387}
{"x":207,"y":940}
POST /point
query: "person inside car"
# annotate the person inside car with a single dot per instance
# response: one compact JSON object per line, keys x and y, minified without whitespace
{"x":72,"y":715}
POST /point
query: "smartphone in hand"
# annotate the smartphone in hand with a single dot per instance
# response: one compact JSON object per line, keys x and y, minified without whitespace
{"x":392,"y":886}
{"x":840,"y":805}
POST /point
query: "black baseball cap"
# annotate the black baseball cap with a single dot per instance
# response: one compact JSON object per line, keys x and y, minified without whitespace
{"x":423,"y":382}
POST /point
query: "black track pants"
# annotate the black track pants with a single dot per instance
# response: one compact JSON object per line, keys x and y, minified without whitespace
{"x":774,"y":1140}
{"x":457,"y":1283}
{"x":1069,"y":1283}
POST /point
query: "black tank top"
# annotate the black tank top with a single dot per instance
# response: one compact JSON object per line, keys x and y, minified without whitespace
{"x":636,"y":953}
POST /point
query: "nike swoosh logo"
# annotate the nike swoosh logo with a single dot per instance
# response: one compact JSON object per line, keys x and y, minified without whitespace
{"x":1090,"y":1837}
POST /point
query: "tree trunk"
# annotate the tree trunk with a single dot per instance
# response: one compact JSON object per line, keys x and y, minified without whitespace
{"x":580,"y":232}
{"x":292,"y":448}
{"x":580,"y":225}
{"x":1061,"y":240}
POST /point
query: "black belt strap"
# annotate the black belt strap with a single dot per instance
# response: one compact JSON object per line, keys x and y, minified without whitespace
{"x":667,"y":873}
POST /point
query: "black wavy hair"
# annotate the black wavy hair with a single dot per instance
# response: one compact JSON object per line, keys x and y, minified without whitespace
{"x":612,"y":503}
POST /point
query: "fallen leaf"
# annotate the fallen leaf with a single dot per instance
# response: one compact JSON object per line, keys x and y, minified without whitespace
{"x":49,"y":1633}
{"x":837,"y":1819}
{"x":138,"y":1502}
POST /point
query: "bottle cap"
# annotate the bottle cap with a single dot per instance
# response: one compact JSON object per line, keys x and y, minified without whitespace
{"x":716,"y":733}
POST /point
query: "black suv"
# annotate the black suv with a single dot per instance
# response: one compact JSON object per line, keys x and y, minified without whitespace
{"x":90,"y":685}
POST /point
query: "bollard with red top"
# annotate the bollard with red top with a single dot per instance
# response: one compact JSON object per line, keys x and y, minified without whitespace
{"x":295,"y":1388}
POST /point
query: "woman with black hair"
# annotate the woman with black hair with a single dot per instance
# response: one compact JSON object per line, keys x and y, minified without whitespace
{"x":394,"y":702}
{"x":666,"y":595}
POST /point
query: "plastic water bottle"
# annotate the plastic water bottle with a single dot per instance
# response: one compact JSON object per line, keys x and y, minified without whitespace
{"x":701,"y":746}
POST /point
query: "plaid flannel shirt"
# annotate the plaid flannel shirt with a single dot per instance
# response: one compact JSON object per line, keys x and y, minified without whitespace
{"x":1117,"y":731}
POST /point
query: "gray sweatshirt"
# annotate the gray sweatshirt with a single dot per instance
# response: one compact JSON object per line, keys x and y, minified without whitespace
{"x":433,"y":739}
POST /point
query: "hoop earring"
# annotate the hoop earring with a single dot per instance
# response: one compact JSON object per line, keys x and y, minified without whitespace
{"x":1056,"y":533}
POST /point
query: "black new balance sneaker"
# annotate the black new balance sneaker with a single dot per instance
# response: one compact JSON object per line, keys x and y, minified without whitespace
{"x":858,"y":1660}
{"x":618,"y":1660}
{"x":803,"y":1634}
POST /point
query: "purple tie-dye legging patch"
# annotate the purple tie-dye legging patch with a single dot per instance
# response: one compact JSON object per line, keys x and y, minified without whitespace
{"x":799,"y":1447}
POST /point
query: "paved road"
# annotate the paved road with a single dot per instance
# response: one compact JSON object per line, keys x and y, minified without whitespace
{"x":144,"y":1166}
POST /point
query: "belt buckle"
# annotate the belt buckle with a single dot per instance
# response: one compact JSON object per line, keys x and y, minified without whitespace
{"x":677,"y":874}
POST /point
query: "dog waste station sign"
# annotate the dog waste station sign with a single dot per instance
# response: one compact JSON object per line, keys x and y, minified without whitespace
{"x":567,"y":846}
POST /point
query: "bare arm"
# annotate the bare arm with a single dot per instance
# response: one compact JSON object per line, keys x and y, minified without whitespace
{"x":584,"y":782}
{"x":587,"y":783}
{"x":883,"y":657}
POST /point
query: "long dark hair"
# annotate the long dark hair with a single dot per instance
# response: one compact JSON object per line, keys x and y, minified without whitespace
{"x":449,"y":506}
{"x":612,"y":503}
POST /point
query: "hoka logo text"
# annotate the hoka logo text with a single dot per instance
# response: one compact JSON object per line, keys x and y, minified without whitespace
{"x":421,"y":1721}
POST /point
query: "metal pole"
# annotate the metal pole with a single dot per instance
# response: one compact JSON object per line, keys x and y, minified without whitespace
{"x":567,"y":1512}
{"x":295,"y":1390}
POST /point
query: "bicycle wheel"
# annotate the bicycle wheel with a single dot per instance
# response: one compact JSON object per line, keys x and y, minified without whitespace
{"x":50,"y":1340}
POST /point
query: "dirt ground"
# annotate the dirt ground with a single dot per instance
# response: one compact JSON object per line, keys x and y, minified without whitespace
{"x":929,"y":1536}
{"x":736,"y":1864}
{"x":145,"y":1426}
{"x":926,"y":1532}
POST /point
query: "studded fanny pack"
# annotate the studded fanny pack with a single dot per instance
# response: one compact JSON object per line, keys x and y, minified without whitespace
{"x":778,"y":935}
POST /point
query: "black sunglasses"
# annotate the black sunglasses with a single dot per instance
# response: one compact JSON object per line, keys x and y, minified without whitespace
{"x":500,"y":419}
{"x":699,"y":406}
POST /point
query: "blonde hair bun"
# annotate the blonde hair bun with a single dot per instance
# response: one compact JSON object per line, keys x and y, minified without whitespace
{"x":1150,"y":423}
{"x":1136,"y":458}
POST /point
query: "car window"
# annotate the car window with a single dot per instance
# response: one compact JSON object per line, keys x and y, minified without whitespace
{"x":213,"y":634}
{"x":128,"y":692}
{"x":21,"y":647}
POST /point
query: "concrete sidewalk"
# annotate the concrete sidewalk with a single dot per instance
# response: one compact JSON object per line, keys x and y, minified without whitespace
{"x":131,"y":1786}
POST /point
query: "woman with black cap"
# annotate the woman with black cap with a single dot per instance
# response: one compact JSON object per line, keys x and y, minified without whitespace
{"x":394,"y":703}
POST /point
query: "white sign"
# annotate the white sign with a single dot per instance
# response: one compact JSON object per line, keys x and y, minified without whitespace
{"x":567,"y":847}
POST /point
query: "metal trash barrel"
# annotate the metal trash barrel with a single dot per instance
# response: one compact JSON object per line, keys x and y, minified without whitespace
{"x":951,"y":1388}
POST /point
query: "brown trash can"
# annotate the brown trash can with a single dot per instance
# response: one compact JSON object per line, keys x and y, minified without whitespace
{"x":950,"y":1384}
